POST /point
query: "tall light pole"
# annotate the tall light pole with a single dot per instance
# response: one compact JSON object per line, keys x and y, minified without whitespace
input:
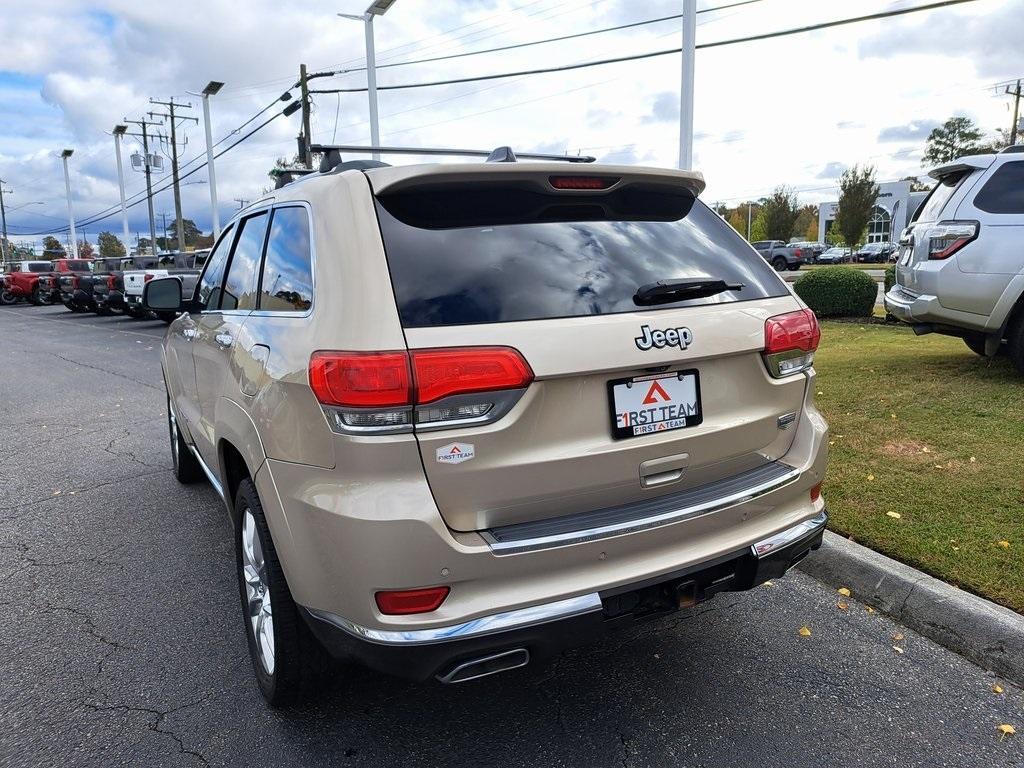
{"x":3,"y":220}
{"x":71,"y":214}
{"x":119,"y":131}
{"x":686,"y":85}
{"x":378,"y":8}
{"x":211,"y":89}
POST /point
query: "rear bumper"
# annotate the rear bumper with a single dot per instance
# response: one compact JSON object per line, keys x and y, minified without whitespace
{"x":501,"y":641}
{"x":925,"y":309}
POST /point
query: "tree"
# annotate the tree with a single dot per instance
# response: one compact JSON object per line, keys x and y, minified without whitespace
{"x":738,"y":221}
{"x":778,"y":215}
{"x":192,"y":233}
{"x":85,"y":250}
{"x":806,"y":222}
{"x":857,"y":194}
{"x":110,"y":246}
{"x":52,"y":246}
{"x":955,"y":138}
{"x":916,"y":185}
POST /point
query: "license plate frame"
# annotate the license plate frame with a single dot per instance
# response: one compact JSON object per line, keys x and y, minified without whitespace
{"x":629,"y":431}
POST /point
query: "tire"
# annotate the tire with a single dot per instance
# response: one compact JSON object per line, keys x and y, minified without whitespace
{"x":36,"y":299}
{"x":284,"y":657}
{"x":779,"y":263}
{"x":103,"y":311}
{"x":7,"y":298}
{"x":1015,"y":343}
{"x":135,"y":314}
{"x":186,"y":468}
{"x":794,"y":268}
{"x":71,"y":307}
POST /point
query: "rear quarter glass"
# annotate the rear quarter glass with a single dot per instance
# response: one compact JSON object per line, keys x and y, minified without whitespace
{"x":463,"y":254}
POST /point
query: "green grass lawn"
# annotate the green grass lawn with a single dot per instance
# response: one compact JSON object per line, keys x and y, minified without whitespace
{"x":924,"y":429}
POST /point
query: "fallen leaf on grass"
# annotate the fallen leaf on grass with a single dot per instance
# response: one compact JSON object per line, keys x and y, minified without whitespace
{"x":926,"y":449}
{"x":831,"y":442}
{"x":973,"y":459}
{"x":997,"y":688}
{"x":939,"y":466}
{"x":894,"y":515}
{"x":842,"y":606}
{"x":892,"y":415}
{"x":870,"y":478}
{"x":869,"y":609}
{"x":1006,"y":730}
{"x":657,"y":656}
{"x":897,"y":637}
{"x":897,"y":649}
{"x":1004,"y":544}
{"x":805,"y":632}
{"x":844,"y":591}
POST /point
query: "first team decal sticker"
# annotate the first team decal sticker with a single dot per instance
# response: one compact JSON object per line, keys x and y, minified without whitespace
{"x":455,"y":453}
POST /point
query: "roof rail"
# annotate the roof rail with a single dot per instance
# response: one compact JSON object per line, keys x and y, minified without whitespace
{"x":505,"y":152}
{"x":1012,"y":149}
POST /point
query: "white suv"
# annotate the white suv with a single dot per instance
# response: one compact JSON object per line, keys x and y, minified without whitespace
{"x":960,"y":269}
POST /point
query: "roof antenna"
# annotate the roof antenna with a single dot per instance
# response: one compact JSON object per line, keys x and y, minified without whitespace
{"x":502,"y":155}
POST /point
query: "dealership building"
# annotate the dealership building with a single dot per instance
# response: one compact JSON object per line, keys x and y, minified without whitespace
{"x":894,"y":207}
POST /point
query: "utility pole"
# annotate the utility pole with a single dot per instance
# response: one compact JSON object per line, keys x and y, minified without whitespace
{"x":748,"y":221}
{"x":241,"y":202}
{"x":212,"y":88}
{"x":174,"y":157}
{"x":306,"y":155}
{"x":71,"y":214}
{"x":3,"y":219}
{"x":149,"y":185}
{"x":686,"y":85}
{"x":1016,"y":111}
{"x":163,"y":216}
{"x":119,"y":131}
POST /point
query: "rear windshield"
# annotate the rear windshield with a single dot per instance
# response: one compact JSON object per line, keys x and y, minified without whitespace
{"x":939,"y":196}
{"x":78,"y":266}
{"x":485,"y":254}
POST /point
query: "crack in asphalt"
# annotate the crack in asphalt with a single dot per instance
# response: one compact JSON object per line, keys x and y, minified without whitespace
{"x":104,"y":370}
{"x":128,"y":454}
{"x":76,"y":491}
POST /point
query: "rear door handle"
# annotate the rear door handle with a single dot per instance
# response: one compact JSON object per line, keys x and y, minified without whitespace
{"x":224,"y":339}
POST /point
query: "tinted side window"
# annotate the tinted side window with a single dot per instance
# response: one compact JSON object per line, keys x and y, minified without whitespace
{"x":287,"y":284}
{"x":243,"y":271}
{"x":1004,"y":192}
{"x":208,"y":290}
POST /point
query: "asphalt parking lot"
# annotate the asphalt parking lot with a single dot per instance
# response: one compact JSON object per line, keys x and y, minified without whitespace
{"x":122,"y":640}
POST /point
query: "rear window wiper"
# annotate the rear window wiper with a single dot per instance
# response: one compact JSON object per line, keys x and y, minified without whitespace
{"x":667,"y":291}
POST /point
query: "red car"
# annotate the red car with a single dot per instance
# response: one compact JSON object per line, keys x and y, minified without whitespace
{"x":22,"y":281}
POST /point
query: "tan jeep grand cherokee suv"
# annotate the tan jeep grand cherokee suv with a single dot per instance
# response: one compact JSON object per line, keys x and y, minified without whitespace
{"x":466,"y":415}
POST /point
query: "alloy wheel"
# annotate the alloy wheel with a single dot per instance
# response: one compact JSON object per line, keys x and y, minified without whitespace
{"x":257,"y":592}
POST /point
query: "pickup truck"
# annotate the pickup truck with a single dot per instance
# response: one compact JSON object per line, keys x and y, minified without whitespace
{"x":184,"y":266}
{"x":109,"y":293}
{"x":21,"y":279}
{"x":77,"y":288}
{"x":49,"y":284}
{"x":780,"y":255}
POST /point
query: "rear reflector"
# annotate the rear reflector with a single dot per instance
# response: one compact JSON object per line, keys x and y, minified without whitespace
{"x":790,"y":341}
{"x":816,"y":492}
{"x":582,"y":182}
{"x":443,"y":372}
{"x":402,"y":602}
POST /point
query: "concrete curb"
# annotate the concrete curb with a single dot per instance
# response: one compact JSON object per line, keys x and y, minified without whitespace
{"x":988,"y":634}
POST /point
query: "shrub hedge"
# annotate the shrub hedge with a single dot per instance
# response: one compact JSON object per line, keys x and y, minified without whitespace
{"x":890,"y":277}
{"x":838,"y":292}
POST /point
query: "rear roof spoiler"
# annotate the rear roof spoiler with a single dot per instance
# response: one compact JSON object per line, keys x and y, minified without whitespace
{"x":970,"y":163}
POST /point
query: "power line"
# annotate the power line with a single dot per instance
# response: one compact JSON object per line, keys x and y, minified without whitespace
{"x":548,"y":40}
{"x":652,"y":54}
{"x":97,"y":218}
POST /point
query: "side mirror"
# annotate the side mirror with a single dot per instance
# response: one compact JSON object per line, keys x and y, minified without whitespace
{"x":162,"y":295}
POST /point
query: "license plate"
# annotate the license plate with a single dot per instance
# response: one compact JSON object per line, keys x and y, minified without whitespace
{"x":648,"y":404}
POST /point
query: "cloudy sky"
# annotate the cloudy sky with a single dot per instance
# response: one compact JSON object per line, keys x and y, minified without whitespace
{"x":793,"y":110}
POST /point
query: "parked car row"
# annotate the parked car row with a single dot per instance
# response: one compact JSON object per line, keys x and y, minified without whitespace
{"x":104,"y":286}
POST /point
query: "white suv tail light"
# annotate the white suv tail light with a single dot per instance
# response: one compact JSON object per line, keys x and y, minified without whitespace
{"x":379,"y":392}
{"x":948,"y":237}
{"x":790,"y":341}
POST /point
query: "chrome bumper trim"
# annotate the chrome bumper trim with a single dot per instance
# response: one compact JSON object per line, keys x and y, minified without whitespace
{"x":640,"y":524}
{"x":784,"y":538}
{"x":485,"y":625}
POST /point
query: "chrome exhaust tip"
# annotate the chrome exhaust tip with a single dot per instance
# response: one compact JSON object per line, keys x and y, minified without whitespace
{"x":485,"y":665}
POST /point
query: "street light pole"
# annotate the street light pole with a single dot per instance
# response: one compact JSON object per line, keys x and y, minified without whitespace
{"x":378,"y":8}
{"x":71,"y":213}
{"x":119,"y":131}
{"x":212,"y":88}
{"x":3,"y":220}
{"x":686,"y":85}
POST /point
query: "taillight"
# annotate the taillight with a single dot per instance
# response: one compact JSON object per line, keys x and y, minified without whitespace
{"x":402,"y":602}
{"x":111,"y":282}
{"x":390,"y":391}
{"x":790,"y":341}
{"x":798,"y":253}
{"x":147,"y":278}
{"x":948,"y":237}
